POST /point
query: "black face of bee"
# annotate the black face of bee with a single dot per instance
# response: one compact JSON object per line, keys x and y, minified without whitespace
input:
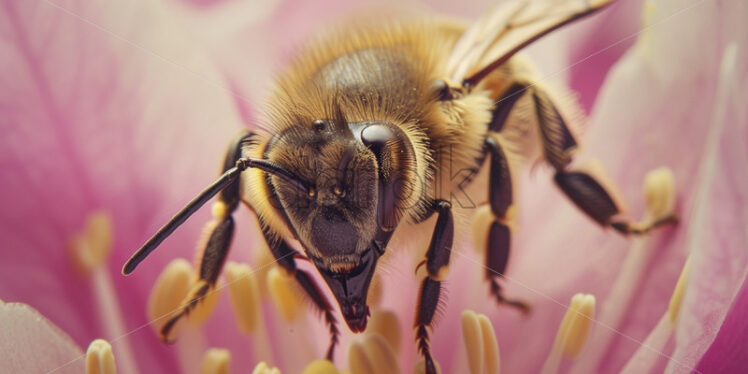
{"x":346,"y":218}
{"x":336,"y":221}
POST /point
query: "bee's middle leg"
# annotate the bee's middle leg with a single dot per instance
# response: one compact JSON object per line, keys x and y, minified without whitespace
{"x":437,"y":263}
{"x":498,"y":242}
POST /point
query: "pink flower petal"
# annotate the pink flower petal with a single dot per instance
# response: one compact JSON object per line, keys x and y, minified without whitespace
{"x":727,"y":352}
{"x":719,"y":226}
{"x":32,"y":344}
{"x":102,"y":107}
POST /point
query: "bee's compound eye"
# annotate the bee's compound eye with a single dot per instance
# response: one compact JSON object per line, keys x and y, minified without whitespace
{"x":375,"y":137}
{"x":319,"y":125}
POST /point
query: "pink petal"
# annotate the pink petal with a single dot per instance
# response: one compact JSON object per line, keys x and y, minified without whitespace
{"x":103,"y":107}
{"x":727,"y":352}
{"x":600,"y":43}
{"x":32,"y":344}
{"x":719,"y":226}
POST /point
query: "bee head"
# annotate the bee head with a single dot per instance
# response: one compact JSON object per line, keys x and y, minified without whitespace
{"x":348,"y":211}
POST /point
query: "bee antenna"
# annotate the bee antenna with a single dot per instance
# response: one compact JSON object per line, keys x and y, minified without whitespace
{"x":222,"y":182}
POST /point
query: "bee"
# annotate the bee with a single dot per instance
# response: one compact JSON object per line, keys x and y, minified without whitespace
{"x":360,"y":124}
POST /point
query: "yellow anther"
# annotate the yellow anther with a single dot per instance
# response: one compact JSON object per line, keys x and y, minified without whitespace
{"x":386,"y":324}
{"x":91,"y":247}
{"x":263,"y":368}
{"x":358,"y":360}
{"x":490,"y":345}
{"x":648,"y":14}
{"x":281,"y":286}
{"x":573,"y":331}
{"x":205,"y":306}
{"x":472,"y":336}
{"x":263,"y":264}
{"x":659,"y":193}
{"x":381,"y":356}
{"x":244,"y":295}
{"x":215,"y":361}
{"x":680,"y":288}
{"x":482,"y":221}
{"x":576,"y":324}
{"x":167,"y":293}
{"x":220,"y":210}
{"x":320,"y":367}
{"x":99,"y":358}
{"x":420,"y":367}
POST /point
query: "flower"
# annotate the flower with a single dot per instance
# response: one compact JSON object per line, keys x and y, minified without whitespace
{"x":93,"y":95}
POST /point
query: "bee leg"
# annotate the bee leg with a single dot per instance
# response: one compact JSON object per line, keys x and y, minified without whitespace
{"x":587,"y":193}
{"x":499,"y":234}
{"x":216,"y":248}
{"x":437,"y":262}
{"x":592,"y":198}
{"x":284,"y":256}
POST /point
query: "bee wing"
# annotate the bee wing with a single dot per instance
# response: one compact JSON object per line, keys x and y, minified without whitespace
{"x":507,"y":28}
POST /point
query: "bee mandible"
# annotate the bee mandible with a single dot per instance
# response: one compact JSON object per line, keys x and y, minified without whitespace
{"x":359,"y":123}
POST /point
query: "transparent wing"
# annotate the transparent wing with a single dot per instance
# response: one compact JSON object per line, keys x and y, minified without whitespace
{"x":507,"y":28}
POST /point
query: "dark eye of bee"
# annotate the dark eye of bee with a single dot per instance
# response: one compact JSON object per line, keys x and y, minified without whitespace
{"x":319,"y":125}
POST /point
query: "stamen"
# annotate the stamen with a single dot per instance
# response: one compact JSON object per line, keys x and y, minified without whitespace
{"x":578,"y":324}
{"x":381,"y":355}
{"x":472,"y":335}
{"x":320,"y":367}
{"x":263,"y":261}
{"x":680,"y":288}
{"x":644,"y":41}
{"x":215,"y":361}
{"x":281,"y":287}
{"x":572,"y":333}
{"x":91,"y":247}
{"x":659,"y":193}
{"x":263,"y":368}
{"x":167,"y":293}
{"x":99,"y":358}
{"x":244,"y":295}
{"x":358,"y":361}
{"x":480,"y":343}
{"x":490,"y":345}
{"x":387,"y":325}
{"x":420,"y":367}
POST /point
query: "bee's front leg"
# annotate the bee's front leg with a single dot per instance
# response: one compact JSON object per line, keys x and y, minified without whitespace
{"x":437,"y":263}
{"x":284,"y":256}
{"x":221,"y":232}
